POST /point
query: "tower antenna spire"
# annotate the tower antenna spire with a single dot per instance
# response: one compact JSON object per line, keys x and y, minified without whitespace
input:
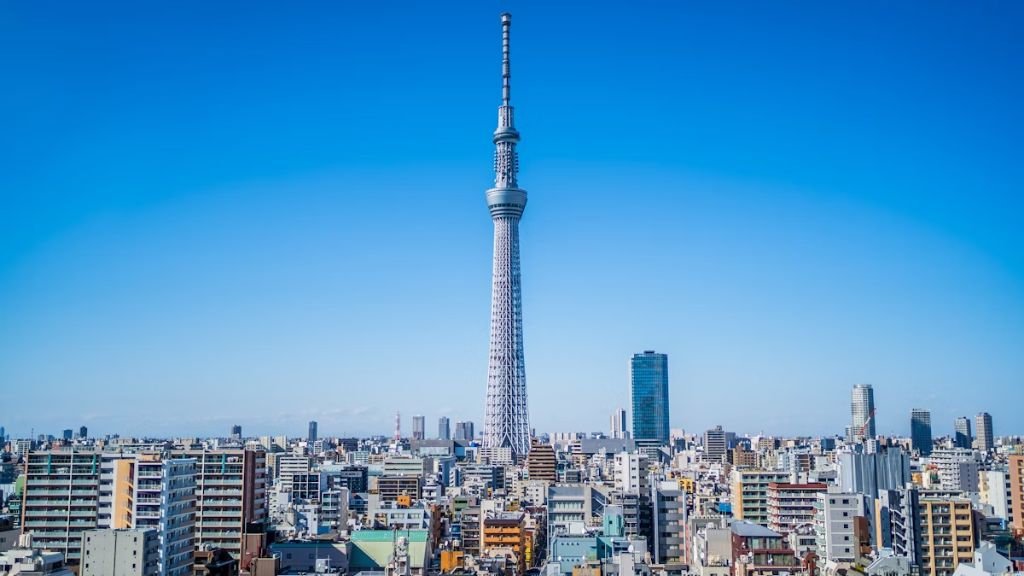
{"x":506,"y":69}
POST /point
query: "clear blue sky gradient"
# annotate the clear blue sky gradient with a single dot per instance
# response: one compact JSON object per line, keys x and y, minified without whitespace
{"x":264,"y":213}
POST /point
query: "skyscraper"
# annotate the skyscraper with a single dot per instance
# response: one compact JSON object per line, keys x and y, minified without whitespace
{"x":862,"y":408}
{"x":419,"y":427}
{"x":444,"y":431}
{"x":507,"y":421}
{"x":983,"y":427}
{"x":312,"y":431}
{"x":649,"y":393}
{"x":921,"y":431}
{"x":464,"y":431}
{"x":962,"y":432}
{"x":618,"y":423}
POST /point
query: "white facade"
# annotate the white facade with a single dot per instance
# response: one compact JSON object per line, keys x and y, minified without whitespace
{"x":833,"y":524}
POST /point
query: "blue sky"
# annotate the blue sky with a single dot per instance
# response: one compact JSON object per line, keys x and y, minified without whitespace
{"x":258,"y":213}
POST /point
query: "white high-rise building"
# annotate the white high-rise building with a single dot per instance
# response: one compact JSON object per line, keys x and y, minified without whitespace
{"x":983,"y":428}
{"x":618,"y":423}
{"x":506,"y":415}
{"x":862,"y":408}
{"x":630,"y":469}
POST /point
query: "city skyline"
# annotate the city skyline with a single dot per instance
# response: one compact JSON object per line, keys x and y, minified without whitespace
{"x":271,"y":230}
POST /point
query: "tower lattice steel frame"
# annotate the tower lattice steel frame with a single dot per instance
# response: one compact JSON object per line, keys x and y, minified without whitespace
{"x":507,"y":419}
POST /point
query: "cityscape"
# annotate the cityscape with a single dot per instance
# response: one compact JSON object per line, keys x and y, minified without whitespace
{"x":938,"y":490}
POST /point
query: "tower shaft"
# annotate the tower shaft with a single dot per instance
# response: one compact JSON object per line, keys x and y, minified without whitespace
{"x":506,"y":419}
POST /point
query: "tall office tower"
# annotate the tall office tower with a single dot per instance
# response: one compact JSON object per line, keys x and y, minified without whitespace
{"x":464,"y":431}
{"x":419,"y":428}
{"x":921,"y":431}
{"x":68,"y":433}
{"x":862,"y":407}
{"x":125,"y":552}
{"x":236,"y":432}
{"x":618,"y":423}
{"x":312,"y":436}
{"x":83,"y":432}
{"x":507,"y":419}
{"x":231,"y":490}
{"x":714,"y":444}
{"x":444,"y":429}
{"x":649,"y":392}
{"x":983,"y":427}
{"x":962,"y":432}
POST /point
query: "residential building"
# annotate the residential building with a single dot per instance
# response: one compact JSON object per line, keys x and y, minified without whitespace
{"x":618,"y":427}
{"x":668,"y":516}
{"x":504,"y":534}
{"x":1016,"y":472}
{"x":947,"y":535}
{"x":862,"y":408}
{"x":834,"y":522}
{"x":750,"y":493}
{"x":231,"y":492}
{"x":541,"y":463}
{"x":649,"y":393}
{"x":756,"y":550}
{"x":791,"y":506}
{"x":164,"y":501}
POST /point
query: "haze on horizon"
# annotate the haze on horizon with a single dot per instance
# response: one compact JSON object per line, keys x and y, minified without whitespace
{"x":236,"y":213}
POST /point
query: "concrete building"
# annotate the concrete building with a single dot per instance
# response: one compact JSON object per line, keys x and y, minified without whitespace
{"x":164,"y":501}
{"x":983,"y":428}
{"x":862,"y":409}
{"x":68,"y":492}
{"x":390,"y":487}
{"x":1016,"y":473}
{"x":617,"y":428}
{"x":791,"y":506}
{"x":869,"y":473}
{"x":958,"y":468}
{"x":125,"y":552}
{"x":668,"y":515}
{"x":921,"y":431}
{"x":630,"y":472}
{"x":947,"y":535}
{"x":504,"y":534}
{"x":419,"y":427}
{"x":288,"y":467}
{"x":994,"y":490}
{"x":715,"y":444}
{"x":541,"y":462}
{"x":231,"y":491}
{"x":962,"y":437}
{"x":750,"y":493}
{"x":25,"y":560}
{"x":756,"y":550}
{"x":835,"y":527}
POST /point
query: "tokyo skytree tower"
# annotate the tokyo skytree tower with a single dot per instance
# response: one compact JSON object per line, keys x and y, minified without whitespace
{"x":506,"y":420}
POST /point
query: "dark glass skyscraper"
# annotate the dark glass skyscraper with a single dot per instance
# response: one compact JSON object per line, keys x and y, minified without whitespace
{"x":649,"y":392}
{"x":962,"y":437}
{"x":921,"y":431}
{"x":312,"y":436}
